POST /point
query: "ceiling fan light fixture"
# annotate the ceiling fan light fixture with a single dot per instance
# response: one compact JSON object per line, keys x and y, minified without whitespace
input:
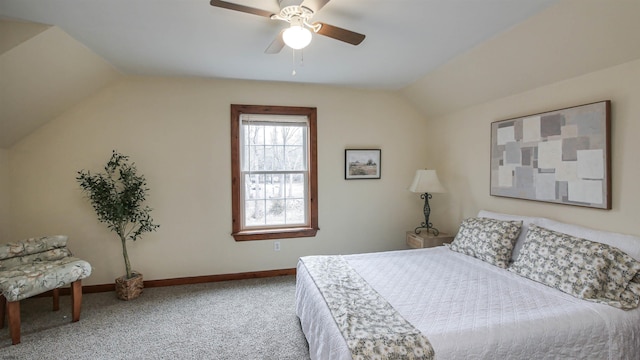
{"x":297,"y":37}
{"x":298,"y":15}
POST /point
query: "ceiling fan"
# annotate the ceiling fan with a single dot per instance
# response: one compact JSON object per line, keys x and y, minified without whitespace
{"x":298,"y":14}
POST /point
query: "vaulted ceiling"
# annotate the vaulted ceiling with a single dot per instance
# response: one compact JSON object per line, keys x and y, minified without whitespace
{"x":405,"y":39}
{"x":441,"y":54}
{"x":43,"y":72}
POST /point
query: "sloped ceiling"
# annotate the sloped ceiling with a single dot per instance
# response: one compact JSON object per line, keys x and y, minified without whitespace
{"x":405,"y":39}
{"x":13,"y":33}
{"x":44,"y":72}
{"x":572,"y":38}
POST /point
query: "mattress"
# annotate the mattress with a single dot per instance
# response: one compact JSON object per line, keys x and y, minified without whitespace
{"x":469,"y":309}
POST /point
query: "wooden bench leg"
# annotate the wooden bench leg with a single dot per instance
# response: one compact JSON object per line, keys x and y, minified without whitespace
{"x":13,"y":308}
{"x":56,"y":299}
{"x":3,"y":309}
{"x":76,"y":299}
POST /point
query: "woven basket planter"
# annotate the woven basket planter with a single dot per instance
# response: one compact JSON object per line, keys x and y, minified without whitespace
{"x":129,"y":289}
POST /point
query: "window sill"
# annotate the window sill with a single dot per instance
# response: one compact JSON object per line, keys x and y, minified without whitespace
{"x":274,"y":234}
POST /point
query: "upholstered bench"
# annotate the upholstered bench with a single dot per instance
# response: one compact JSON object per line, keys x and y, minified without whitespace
{"x":35,"y":266}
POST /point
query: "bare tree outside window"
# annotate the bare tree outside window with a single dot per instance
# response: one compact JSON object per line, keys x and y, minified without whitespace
{"x":276,"y":166}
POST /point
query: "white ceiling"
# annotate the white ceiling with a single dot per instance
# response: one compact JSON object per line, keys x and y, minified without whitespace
{"x":406,"y":39}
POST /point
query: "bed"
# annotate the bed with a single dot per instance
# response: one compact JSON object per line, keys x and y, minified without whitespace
{"x":468,"y":308}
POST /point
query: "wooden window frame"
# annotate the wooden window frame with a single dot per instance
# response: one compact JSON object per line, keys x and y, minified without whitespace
{"x":280,"y":233}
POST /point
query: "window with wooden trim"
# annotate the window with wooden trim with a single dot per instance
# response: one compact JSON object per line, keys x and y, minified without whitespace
{"x":274,"y":180}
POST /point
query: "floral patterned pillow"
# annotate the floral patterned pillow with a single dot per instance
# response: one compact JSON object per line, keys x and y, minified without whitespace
{"x":32,"y":246}
{"x":46,"y":248}
{"x":490,"y":240}
{"x":585,"y":269}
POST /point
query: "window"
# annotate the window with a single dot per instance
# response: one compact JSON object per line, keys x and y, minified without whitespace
{"x":273,"y":172}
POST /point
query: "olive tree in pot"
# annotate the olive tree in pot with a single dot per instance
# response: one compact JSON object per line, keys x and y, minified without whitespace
{"x":117,"y":195}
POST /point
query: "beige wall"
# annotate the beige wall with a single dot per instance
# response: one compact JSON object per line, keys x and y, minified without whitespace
{"x":177,"y":131}
{"x":464,"y":140}
{"x":4,"y":195}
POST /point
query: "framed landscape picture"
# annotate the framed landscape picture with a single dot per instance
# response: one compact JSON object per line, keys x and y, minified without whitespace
{"x":561,"y":156}
{"x":362,"y":164}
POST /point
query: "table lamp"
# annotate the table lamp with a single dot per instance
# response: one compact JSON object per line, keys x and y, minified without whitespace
{"x":426,"y":182}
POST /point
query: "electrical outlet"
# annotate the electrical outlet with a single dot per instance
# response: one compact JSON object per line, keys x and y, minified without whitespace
{"x":276,"y":246}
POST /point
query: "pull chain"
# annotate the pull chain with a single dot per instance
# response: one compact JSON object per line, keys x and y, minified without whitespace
{"x":293,"y":60}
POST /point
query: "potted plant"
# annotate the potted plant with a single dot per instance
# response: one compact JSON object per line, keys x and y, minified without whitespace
{"x":117,"y":195}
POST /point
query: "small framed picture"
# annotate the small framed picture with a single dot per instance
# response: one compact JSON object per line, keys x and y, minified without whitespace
{"x":362,"y":164}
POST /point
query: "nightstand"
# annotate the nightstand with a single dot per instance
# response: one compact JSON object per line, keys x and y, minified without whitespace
{"x":427,"y":240}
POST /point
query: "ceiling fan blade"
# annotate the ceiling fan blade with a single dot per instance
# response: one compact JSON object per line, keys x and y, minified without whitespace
{"x":242,"y":8}
{"x":314,"y":5}
{"x":276,"y":45}
{"x":341,"y":34}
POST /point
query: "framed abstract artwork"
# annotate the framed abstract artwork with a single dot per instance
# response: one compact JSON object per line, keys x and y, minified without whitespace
{"x":362,"y":164}
{"x":561,"y":156}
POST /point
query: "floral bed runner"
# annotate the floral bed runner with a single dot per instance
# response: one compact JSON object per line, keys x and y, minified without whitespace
{"x":372,"y":328}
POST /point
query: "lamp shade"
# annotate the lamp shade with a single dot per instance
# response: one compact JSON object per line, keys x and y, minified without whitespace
{"x":297,"y":37}
{"x":426,"y":181}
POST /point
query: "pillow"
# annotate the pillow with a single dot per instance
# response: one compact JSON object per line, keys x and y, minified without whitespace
{"x":489,"y":240}
{"x":526,"y":220}
{"x":32,"y":246}
{"x":583,"y":268}
{"x":46,"y":248}
{"x":628,"y":243}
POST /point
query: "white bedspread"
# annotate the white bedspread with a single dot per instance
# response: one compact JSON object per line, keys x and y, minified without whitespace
{"x":469,"y":309}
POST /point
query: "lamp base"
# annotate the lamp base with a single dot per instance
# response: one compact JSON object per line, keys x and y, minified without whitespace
{"x":429,"y":229}
{"x":427,"y":211}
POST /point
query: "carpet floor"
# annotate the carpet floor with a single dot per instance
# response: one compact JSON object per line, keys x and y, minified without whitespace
{"x":244,"y":319}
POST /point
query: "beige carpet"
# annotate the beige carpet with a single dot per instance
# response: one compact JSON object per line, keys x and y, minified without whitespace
{"x":245,"y":319}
